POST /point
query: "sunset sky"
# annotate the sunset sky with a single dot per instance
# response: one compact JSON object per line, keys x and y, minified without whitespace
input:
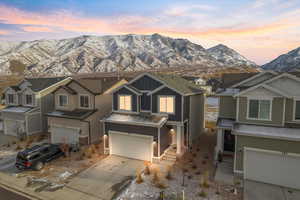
{"x":258,"y":29}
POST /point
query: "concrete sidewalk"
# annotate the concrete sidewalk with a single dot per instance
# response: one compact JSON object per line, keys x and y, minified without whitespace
{"x":18,"y":185}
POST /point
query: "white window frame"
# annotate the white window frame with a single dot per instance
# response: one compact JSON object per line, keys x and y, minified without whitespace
{"x":58,"y":101}
{"x":15,"y":100}
{"x":166,"y":96}
{"x":25,"y":99}
{"x":259,"y":99}
{"x":89,"y":101}
{"x":294,"y":109}
{"x":119,"y":105}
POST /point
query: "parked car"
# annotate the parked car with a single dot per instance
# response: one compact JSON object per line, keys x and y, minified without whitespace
{"x":36,"y":156}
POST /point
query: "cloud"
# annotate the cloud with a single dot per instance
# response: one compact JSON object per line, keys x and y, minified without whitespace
{"x":37,"y":29}
{"x":188,"y":10}
{"x":4,"y":32}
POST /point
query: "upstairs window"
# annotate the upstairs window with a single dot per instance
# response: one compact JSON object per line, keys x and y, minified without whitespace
{"x":125,"y":102}
{"x":259,"y":109}
{"x":28,"y":99}
{"x":62,"y":100}
{"x":297,"y":110}
{"x":11,"y":98}
{"x":166,"y":104}
{"x":84,"y":101}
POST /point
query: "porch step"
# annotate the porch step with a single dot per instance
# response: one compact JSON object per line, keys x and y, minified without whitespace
{"x":172,"y":159}
{"x":167,"y":162}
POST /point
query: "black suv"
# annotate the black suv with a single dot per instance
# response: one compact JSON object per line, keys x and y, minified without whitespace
{"x":36,"y":156}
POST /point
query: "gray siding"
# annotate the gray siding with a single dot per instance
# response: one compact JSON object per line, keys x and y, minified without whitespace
{"x":47,"y":105}
{"x":178,"y":103}
{"x":186,"y":107}
{"x":145,"y":102}
{"x":14,"y":116}
{"x":142,"y":130}
{"x":277,"y":113}
{"x":125,"y":91}
{"x":165,"y":139}
{"x":227,"y":107}
{"x":34,"y":123}
{"x":196,"y":119}
{"x":146,"y":83}
{"x":263,"y":143}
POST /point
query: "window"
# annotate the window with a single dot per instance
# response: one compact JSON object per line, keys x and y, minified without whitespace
{"x":125,"y":102}
{"x":28,"y":99}
{"x":11,"y":98}
{"x":166,"y":104}
{"x":84,"y":101}
{"x":62,"y":100}
{"x":259,"y":109}
{"x":297,"y":110}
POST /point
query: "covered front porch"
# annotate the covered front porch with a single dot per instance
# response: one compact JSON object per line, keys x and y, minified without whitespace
{"x":143,"y":137}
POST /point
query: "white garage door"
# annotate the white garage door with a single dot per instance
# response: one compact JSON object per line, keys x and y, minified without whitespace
{"x":14,"y":127}
{"x":272,"y":167}
{"x":61,"y":135}
{"x":131,"y":146}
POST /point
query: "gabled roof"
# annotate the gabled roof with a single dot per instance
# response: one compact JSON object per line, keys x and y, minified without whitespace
{"x":97,"y":85}
{"x":177,"y":83}
{"x":38,"y":84}
{"x":229,"y":80}
{"x":282,"y":93}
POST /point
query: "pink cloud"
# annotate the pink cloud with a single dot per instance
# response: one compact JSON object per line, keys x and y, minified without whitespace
{"x":4,"y":32}
{"x":37,"y":29}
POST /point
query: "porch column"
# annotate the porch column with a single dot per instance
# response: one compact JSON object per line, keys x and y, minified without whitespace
{"x":219,"y":146}
{"x":179,"y":139}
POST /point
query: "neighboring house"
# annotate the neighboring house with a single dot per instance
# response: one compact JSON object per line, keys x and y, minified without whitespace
{"x":79,"y":105}
{"x":202,"y":83}
{"x":259,"y":124}
{"x":26,"y":104}
{"x":152,"y":113}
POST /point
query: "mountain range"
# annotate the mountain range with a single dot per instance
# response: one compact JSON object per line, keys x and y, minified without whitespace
{"x":286,"y":62}
{"x":88,"y":54}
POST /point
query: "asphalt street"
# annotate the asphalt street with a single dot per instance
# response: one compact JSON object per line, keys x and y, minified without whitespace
{"x":9,"y":195}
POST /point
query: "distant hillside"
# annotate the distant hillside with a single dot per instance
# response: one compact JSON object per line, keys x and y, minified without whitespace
{"x":89,"y":54}
{"x":286,"y":62}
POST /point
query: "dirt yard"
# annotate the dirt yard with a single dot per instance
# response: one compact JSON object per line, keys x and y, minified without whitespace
{"x":192,"y":174}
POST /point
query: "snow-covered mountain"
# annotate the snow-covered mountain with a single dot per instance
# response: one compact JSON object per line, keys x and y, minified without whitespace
{"x":86,"y":54}
{"x":286,"y":62}
{"x":229,"y":56}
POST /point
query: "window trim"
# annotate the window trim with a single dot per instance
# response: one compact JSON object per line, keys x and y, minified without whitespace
{"x":124,"y":95}
{"x":58,"y":96}
{"x":15,"y":98}
{"x":294,"y":109}
{"x":259,"y":99}
{"x":158,"y":103}
{"x":89,"y":101}
{"x":25,"y":99}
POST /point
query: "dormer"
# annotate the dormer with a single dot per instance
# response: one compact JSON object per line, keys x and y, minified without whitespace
{"x":11,"y":96}
{"x":28,"y":97}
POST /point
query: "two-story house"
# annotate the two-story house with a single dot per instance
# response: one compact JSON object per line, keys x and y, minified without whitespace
{"x":152,"y":113}
{"x":79,"y":105}
{"x":259,"y":124}
{"x":26,"y":104}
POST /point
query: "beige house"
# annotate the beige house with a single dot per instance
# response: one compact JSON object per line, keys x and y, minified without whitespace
{"x":79,"y":105}
{"x":259,"y":125}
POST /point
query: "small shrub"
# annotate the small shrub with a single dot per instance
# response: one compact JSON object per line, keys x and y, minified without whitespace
{"x":194,"y":155}
{"x":203,"y":162}
{"x":14,"y":142}
{"x":190,"y":176}
{"x":184,"y":170}
{"x":8,"y":145}
{"x":198,"y":173}
{"x":218,"y":191}
{"x":160,"y":185}
{"x":203,"y":194}
{"x":194,"y":166}
{"x":191,"y":160}
{"x":147,"y":169}
{"x":169,"y":173}
{"x":155,"y":178}
{"x":198,"y":149}
{"x":206,"y":157}
{"x":18,"y":147}
{"x":139,"y":178}
{"x":93,"y":149}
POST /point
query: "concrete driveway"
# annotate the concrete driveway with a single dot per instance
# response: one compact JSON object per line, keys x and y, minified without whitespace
{"x":261,"y":191}
{"x":107,"y":178}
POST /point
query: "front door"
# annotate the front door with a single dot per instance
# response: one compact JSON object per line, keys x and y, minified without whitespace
{"x":229,"y":141}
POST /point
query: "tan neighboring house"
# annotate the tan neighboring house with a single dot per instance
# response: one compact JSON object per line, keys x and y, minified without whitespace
{"x":259,"y":125}
{"x":26,"y":105}
{"x":79,"y":105}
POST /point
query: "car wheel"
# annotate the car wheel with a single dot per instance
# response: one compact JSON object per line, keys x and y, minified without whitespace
{"x":38,"y":166}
